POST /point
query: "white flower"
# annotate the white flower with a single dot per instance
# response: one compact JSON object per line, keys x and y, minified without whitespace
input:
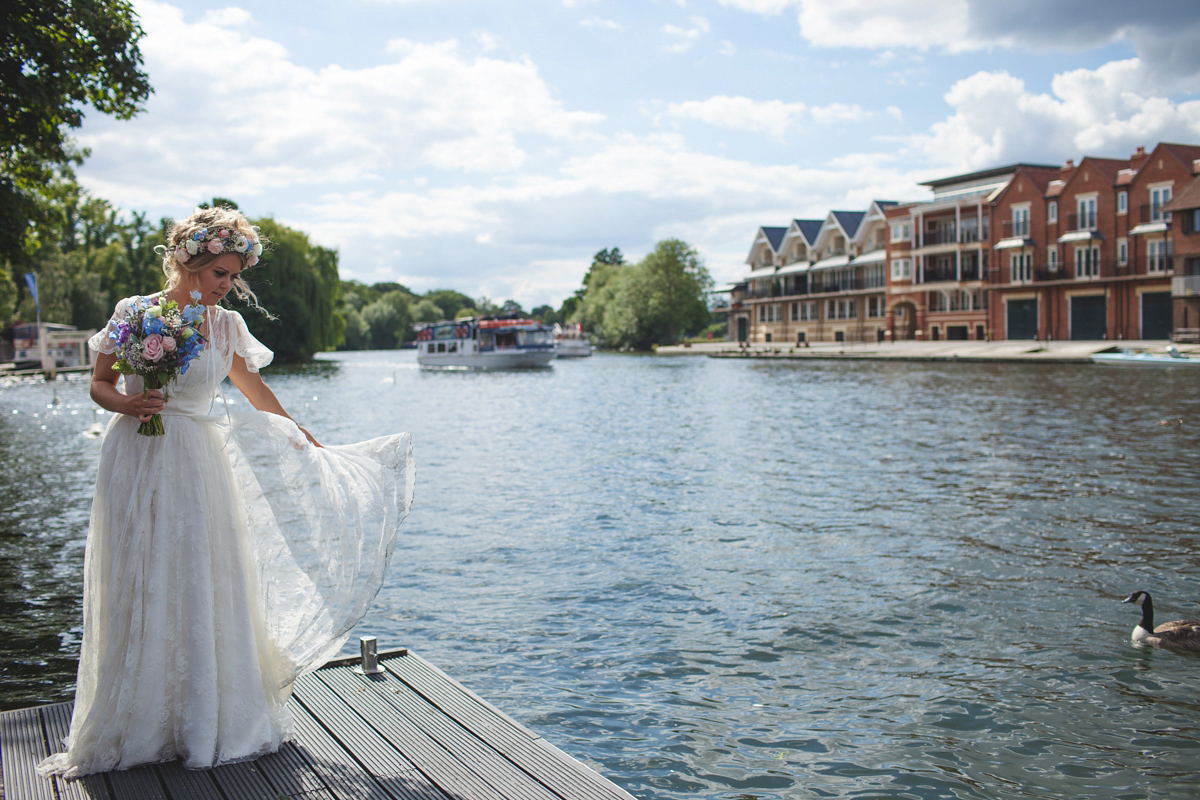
{"x":257,"y":250}
{"x":154,"y":311}
{"x":241,"y":244}
{"x":192,"y":246}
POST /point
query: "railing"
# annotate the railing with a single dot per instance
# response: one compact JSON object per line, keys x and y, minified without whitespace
{"x":970,"y":272}
{"x":1081,"y":222}
{"x":1185,"y":285}
{"x":1152,"y":212}
{"x":954,"y":234}
{"x":1010,"y":229}
{"x":946,"y":235}
{"x":1158,"y":262}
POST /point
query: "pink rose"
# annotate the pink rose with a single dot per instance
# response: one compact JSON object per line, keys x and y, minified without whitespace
{"x":181,"y":254}
{"x":251,"y":261}
{"x":215,"y":246}
{"x":152,"y":347}
{"x":169,"y":344}
{"x":224,"y":234}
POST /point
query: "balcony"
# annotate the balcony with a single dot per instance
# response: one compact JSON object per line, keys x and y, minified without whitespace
{"x":1185,"y":286}
{"x":970,"y":272}
{"x":1152,"y":212}
{"x":1081,"y":222}
{"x":1014,"y":229}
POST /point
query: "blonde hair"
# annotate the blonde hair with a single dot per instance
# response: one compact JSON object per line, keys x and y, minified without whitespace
{"x":203,"y":219}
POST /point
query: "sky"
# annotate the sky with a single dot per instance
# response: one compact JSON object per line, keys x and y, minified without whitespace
{"x":493,"y":147}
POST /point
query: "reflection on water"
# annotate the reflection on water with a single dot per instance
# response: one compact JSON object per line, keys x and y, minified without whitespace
{"x":745,"y":579}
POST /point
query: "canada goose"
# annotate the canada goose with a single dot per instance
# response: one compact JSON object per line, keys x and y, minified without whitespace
{"x":1182,"y":634}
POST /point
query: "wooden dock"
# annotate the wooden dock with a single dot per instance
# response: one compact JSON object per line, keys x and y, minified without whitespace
{"x":408,"y":733}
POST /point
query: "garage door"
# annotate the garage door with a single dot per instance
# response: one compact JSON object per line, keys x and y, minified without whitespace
{"x":1088,"y":317}
{"x":1156,"y":315}
{"x":1022,"y":319}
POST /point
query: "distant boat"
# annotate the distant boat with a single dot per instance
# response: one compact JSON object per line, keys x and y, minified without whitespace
{"x":1144,"y":358}
{"x":502,"y":341}
{"x":571,"y":342}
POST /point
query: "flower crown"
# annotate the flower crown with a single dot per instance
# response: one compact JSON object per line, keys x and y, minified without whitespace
{"x":217,"y":241}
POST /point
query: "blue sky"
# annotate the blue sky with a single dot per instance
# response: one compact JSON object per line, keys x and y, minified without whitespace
{"x":493,"y":147}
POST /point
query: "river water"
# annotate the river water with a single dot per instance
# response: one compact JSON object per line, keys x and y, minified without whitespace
{"x":744,"y":579}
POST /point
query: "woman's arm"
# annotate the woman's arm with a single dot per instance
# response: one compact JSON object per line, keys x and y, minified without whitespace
{"x":258,"y":393}
{"x":104,"y":391}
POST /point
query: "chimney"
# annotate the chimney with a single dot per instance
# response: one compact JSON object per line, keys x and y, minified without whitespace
{"x":1138,"y":158}
{"x":1196,"y":166}
{"x":1067,"y":169}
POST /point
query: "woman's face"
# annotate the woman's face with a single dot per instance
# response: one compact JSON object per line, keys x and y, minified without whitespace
{"x":216,"y":280}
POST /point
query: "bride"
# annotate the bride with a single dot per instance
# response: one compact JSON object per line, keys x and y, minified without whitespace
{"x":225,"y":557}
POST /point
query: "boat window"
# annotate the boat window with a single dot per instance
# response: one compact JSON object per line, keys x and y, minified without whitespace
{"x":508,"y":339}
{"x":441,"y":347}
{"x":452,"y":347}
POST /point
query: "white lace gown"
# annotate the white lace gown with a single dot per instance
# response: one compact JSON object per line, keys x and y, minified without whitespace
{"x":224,"y":559}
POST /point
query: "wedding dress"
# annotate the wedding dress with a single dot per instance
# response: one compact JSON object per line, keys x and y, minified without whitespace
{"x":224,"y":559}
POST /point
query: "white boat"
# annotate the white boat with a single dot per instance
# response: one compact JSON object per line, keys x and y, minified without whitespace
{"x":1144,"y":358}
{"x":503,"y":341}
{"x":571,"y":342}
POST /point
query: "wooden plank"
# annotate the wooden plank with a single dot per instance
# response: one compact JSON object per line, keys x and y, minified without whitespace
{"x":140,"y":782}
{"x":186,"y":784}
{"x":480,"y":774}
{"x":291,"y":775}
{"x":57,"y":719}
{"x":546,"y":763}
{"x":23,"y":748}
{"x":242,"y":781}
{"x":336,"y":767}
{"x":405,"y":718}
{"x":395,"y":773}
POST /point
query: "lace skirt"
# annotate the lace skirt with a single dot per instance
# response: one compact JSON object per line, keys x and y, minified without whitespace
{"x":224,"y":559}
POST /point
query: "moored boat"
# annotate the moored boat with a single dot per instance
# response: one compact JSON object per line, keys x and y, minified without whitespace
{"x":503,"y":341}
{"x":1144,"y":358}
{"x":571,"y":342}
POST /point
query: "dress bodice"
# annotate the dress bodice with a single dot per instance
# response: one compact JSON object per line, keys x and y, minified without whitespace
{"x":193,"y":392}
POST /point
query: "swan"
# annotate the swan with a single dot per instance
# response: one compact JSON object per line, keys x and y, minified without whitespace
{"x":1182,"y":634}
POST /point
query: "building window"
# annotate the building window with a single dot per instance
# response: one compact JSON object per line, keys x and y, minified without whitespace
{"x":841,"y":309}
{"x":1052,"y":211}
{"x":873,"y":277}
{"x":1087,"y":262}
{"x":875,"y":307}
{"x":1020,"y":221}
{"x":1158,"y":255}
{"x":1158,"y":198}
{"x":1122,"y":202}
{"x":1021,"y":265}
{"x":901,"y":231}
{"x":1052,"y":259}
{"x":1191,"y":221}
{"x":1122,"y":252}
{"x":938,"y":301}
{"x":901,"y":269}
{"x":1087,"y":214}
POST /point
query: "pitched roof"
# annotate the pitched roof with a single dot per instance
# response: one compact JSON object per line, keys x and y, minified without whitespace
{"x":1188,"y":197}
{"x":809,"y":228}
{"x":849,"y":220}
{"x":994,"y":172}
{"x":774,"y":236}
{"x":1187,"y":153}
{"x":1108,"y":167}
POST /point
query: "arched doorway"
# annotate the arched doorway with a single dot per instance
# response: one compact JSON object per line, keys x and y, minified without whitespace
{"x":904,"y":321}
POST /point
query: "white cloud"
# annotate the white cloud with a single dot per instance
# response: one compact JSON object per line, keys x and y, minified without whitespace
{"x":774,"y":118}
{"x":1091,"y":112}
{"x":685,"y":38}
{"x":596,"y":22}
{"x":767,"y":7}
{"x":888,"y":23}
{"x":234,"y":110}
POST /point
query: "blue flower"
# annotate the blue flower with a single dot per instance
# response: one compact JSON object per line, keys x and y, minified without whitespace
{"x":193,"y":315}
{"x":153,"y":325}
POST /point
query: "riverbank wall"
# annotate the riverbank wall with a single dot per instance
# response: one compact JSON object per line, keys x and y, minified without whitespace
{"x":1004,"y":351}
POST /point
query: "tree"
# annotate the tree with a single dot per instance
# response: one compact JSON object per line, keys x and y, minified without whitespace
{"x":427,"y":311}
{"x":297,"y":282}
{"x":388,"y":320}
{"x":57,"y":57}
{"x":654,"y":302}
{"x":450,"y":301}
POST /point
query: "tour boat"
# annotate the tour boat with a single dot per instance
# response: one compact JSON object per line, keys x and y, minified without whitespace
{"x":1144,"y":358}
{"x":502,"y":341}
{"x":571,"y":342}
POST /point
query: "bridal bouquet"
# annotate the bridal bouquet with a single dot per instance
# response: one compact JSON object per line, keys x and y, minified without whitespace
{"x":158,"y":340}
